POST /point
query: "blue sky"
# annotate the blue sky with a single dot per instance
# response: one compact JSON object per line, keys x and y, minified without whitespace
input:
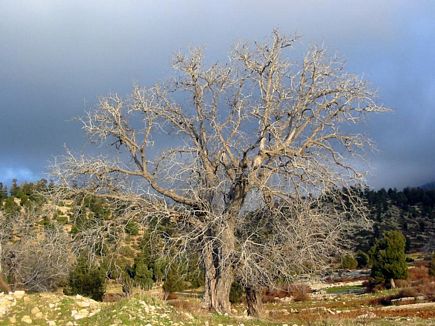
{"x":57,"y":57}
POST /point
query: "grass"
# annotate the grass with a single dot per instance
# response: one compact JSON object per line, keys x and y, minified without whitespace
{"x":345,"y":289}
{"x":142,"y":309}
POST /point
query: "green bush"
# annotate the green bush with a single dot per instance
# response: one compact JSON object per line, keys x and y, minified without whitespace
{"x":174,"y":281}
{"x":348,"y":262}
{"x":132,"y":228}
{"x":362,"y":259}
{"x":237,"y":293}
{"x":142,"y":275}
{"x":86,"y":280}
{"x":388,"y":258}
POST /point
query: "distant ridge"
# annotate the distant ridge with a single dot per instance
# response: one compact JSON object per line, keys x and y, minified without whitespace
{"x":428,"y":186}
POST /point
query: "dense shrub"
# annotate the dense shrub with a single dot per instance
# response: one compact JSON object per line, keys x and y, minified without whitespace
{"x":237,"y":293}
{"x":362,"y":259}
{"x":388,"y":258}
{"x":299,"y":292}
{"x":132,"y":228}
{"x":86,"y":280}
{"x":174,"y":281}
{"x":37,"y":262}
{"x":142,"y":275}
{"x":348,"y":262}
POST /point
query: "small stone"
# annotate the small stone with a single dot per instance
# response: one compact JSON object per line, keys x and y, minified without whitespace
{"x":12,"y":320}
{"x":51,"y":323}
{"x":39,"y":315}
{"x":26,"y":319}
{"x":82,"y":313}
{"x":69,"y":324}
{"x":19,"y":294}
{"x":83,"y":304}
{"x":35,"y":310}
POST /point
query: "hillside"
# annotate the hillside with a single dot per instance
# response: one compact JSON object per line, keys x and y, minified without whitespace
{"x":411,"y":211}
{"x":428,"y":186}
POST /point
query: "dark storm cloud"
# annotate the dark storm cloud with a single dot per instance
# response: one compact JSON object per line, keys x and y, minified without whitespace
{"x":56,"y":57}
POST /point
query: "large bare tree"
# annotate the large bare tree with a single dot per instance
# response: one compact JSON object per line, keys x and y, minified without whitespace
{"x":248,"y":158}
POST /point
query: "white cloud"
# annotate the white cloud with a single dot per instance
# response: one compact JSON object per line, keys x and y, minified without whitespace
{"x":7,"y":174}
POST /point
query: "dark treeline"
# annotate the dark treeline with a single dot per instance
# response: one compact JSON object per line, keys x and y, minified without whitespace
{"x":405,"y":199}
{"x":411,"y":210}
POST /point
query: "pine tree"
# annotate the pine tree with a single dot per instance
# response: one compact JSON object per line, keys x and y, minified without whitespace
{"x":388,"y":258}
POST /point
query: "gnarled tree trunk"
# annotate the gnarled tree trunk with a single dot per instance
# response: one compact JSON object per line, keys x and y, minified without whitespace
{"x":219,"y":273}
{"x":254,"y":302}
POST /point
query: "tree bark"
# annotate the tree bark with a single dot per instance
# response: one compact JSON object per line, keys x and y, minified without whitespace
{"x":254,"y":302}
{"x":219,"y":271}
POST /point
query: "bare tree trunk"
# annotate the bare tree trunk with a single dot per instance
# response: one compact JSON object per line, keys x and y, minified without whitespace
{"x":254,"y":302}
{"x":219,"y":273}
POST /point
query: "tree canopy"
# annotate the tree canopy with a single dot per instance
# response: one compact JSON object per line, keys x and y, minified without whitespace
{"x":246,"y":158}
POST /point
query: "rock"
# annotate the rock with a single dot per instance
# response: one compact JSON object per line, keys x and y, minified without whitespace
{"x":82,"y":313}
{"x":367,"y":315}
{"x":12,"y":320}
{"x":35,"y":310}
{"x":51,"y":323}
{"x":26,"y":319}
{"x":69,"y":324}
{"x":39,"y":315}
{"x":19,"y":294}
{"x":83,"y":304}
{"x":26,"y":299}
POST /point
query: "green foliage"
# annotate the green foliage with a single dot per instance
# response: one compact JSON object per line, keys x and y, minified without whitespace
{"x":86,"y":280}
{"x":432,"y":265}
{"x":141,"y":273}
{"x":3,"y":192}
{"x":348,"y":262}
{"x":158,"y":267}
{"x":174,"y":280}
{"x":88,"y":210}
{"x":237,"y":293}
{"x":10,"y":207}
{"x":388,"y":258}
{"x":132,"y":228}
{"x":362,"y":259}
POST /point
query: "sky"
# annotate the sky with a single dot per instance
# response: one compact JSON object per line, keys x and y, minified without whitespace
{"x":57,"y":57}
